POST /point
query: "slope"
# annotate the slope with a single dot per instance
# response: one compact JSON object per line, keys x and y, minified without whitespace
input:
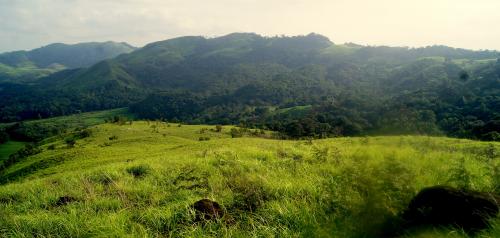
{"x":141,"y":179}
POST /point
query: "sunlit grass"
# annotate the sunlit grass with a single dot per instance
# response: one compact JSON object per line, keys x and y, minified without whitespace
{"x":144,"y":180}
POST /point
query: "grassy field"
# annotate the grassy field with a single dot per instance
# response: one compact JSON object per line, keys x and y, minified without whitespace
{"x":40,"y":129}
{"x":9,"y":148}
{"x":140,"y":180}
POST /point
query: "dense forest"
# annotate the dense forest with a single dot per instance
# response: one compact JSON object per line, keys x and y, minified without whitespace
{"x":303,"y":86}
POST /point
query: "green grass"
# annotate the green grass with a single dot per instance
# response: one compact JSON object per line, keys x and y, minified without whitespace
{"x":78,"y":120}
{"x":143,"y":182}
{"x":82,"y":119}
{"x":40,"y":129}
{"x":470,"y":65}
{"x":26,"y":73}
{"x":340,"y":50}
{"x":295,"y":112}
{"x":9,"y":148}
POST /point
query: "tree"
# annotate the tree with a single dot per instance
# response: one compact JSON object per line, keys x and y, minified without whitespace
{"x":464,"y":76}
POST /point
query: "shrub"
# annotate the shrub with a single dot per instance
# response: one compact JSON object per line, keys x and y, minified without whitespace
{"x":83,"y":134}
{"x":218,"y":128}
{"x":70,"y":141}
{"x":236,"y":133}
{"x":203,"y":130}
{"x":120,"y":120}
{"x":139,"y":171}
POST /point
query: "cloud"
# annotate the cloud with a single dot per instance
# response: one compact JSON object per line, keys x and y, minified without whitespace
{"x":27,"y":24}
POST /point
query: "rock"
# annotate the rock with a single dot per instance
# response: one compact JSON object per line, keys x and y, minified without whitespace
{"x":445,"y":206}
{"x":207,"y":210}
{"x":65,"y":200}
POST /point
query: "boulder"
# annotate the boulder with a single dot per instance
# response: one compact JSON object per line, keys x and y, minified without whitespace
{"x":65,"y":200}
{"x":207,"y":210}
{"x":447,"y":206}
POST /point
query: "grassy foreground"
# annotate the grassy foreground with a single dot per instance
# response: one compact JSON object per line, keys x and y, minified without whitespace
{"x":140,"y":180}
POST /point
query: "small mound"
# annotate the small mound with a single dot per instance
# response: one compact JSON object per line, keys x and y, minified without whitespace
{"x":447,"y":206}
{"x":207,"y":210}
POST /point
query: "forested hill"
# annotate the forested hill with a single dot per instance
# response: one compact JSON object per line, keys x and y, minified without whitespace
{"x":301,"y":86}
{"x":22,"y":66}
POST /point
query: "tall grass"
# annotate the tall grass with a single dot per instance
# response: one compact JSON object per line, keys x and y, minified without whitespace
{"x":144,"y":184}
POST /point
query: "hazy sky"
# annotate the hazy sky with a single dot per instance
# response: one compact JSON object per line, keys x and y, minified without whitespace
{"x":27,"y":24}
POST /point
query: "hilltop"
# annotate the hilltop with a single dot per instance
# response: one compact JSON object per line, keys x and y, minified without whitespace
{"x":140,"y":179}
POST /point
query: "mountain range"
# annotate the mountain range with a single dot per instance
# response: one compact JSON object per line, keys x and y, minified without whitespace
{"x":332,"y":89}
{"x":30,"y":65}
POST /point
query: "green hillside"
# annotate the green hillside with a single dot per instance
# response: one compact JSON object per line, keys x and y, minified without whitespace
{"x":141,"y":179}
{"x":36,"y":130}
{"x":9,"y":148}
{"x":241,"y":78}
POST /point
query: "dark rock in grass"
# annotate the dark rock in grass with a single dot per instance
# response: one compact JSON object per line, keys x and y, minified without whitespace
{"x":65,"y":200}
{"x":207,"y":210}
{"x":447,"y":206}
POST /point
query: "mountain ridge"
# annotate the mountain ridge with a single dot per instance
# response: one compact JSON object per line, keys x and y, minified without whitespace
{"x":27,"y":66}
{"x":243,"y":77}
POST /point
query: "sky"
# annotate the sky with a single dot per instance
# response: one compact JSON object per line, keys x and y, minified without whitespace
{"x":28,"y":24}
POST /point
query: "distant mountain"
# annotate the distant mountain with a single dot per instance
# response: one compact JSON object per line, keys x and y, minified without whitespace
{"x":347,"y":89}
{"x":200,"y":64}
{"x":29,"y":65}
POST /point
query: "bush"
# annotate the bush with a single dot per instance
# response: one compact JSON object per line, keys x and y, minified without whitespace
{"x":83,"y":134}
{"x":204,"y":138}
{"x":139,"y":171}
{"x":218,"y":128}
{"x":203,"y":130}
{"x":236,"y":133}
{"x":120,"y":120}
{"x":70,"y":141}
